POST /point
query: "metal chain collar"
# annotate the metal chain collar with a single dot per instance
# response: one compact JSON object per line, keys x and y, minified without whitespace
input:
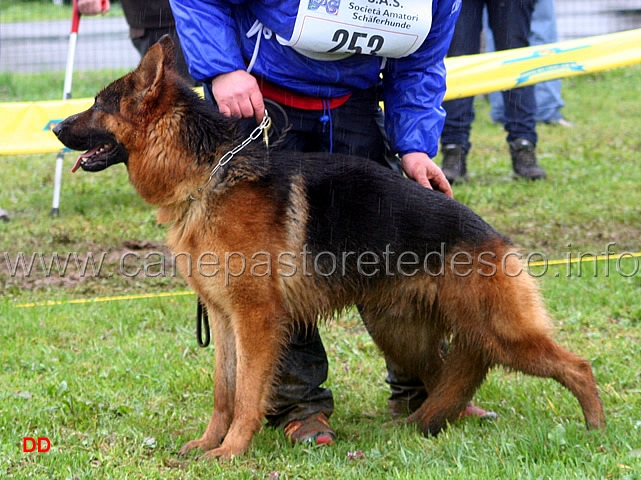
{"x":262,"y":128}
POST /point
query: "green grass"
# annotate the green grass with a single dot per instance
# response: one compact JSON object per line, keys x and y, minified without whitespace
{"x":119,"y":386}
{"x":29,"y":87}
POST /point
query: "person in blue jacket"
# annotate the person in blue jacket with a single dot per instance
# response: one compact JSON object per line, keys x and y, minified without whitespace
{"x":329,"y":64}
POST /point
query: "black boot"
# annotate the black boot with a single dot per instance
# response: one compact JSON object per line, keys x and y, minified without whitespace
{"x":524,"y":160}
{"x":454,"y":163}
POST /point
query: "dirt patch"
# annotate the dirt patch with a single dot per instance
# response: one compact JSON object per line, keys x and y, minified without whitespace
{"x":125,"y":266}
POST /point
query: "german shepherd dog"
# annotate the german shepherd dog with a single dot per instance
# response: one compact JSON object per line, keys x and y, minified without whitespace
{"x":292,"y":238}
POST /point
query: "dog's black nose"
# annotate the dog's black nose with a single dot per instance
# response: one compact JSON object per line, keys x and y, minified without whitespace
{"x":57,"y":129}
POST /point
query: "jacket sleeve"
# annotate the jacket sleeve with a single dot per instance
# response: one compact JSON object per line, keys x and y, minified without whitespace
{"x":208,"y":36}
{"x":414,"y":87}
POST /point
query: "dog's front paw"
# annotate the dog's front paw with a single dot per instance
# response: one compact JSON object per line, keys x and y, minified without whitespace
{"x":227,"y":450}
{"x":220,"y":453}
{"x":203,"y":444}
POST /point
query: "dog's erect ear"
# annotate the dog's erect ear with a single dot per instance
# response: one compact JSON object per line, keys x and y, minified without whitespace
{"x":168,"y":49}
{"x":153,"y":66}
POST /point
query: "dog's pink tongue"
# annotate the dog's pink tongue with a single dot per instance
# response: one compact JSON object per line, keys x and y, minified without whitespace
{"x":88,"y":153}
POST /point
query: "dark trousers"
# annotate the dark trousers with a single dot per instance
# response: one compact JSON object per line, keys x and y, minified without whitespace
{"x":354,"y":128}
{"x":510,"y":24}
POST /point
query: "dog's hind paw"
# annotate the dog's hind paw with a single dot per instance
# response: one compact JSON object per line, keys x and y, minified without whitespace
{"x":433,"y":426}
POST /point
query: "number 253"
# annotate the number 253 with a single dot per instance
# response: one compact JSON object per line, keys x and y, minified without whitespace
{"x":341,"y":36}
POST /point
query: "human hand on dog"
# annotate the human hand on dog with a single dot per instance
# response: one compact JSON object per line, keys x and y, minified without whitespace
{"x":237,"y":94}
{"x":422,"y":168}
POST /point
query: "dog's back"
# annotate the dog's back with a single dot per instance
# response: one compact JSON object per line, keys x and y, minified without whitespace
{"x":361,"y":226}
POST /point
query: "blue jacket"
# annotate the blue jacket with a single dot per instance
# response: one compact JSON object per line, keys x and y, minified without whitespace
{"x":213,"y":37}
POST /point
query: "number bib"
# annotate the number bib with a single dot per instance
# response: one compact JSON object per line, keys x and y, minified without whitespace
{"x":330,"y":30}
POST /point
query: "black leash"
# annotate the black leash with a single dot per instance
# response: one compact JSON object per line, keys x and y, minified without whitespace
{"x":279,"y":134}
{"x":203,"y":333}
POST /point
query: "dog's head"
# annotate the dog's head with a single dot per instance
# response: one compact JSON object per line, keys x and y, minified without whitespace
{"x":116,"y":125}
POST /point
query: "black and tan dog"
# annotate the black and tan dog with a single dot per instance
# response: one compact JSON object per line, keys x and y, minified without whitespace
{"x":269,"y":238}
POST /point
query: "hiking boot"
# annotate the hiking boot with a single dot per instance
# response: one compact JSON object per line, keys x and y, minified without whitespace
{"x":314,"y":430}
{"x":524,"y":160}
{"x":454,"y":166}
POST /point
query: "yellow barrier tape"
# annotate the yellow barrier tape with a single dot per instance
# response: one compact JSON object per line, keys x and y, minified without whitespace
{"x":103,"y":299}
{"x":589,"y":257}
{"x":489,"y":72}
{"x":25,"y":128}
{"x":565,"y":261}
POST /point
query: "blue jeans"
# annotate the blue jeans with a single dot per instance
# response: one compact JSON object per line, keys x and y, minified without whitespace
{"x":548,"y":94}
{"x":510,"y":22}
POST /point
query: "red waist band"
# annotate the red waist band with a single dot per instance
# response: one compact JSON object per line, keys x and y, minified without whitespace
{"x":296,"y":100}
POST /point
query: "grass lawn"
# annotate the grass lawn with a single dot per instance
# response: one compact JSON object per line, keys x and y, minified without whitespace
{"x":118,"y":386}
